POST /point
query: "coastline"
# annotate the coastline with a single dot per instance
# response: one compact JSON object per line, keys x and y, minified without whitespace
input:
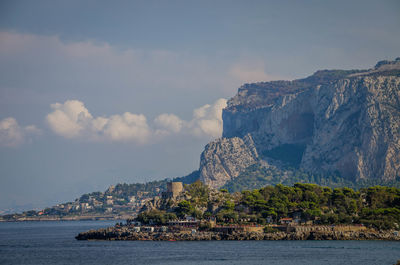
{"x":114,"y":234}
{"x":67,"y":218}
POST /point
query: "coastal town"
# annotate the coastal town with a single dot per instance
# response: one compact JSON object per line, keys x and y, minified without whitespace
{"x":108,"y":205}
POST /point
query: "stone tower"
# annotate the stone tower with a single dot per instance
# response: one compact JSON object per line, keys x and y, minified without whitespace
{"x":173,"y":189}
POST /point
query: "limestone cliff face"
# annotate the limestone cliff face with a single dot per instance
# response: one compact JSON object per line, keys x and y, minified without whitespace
{"x":225,"y":158}
{"x":334,"y":121}
{"x":356,"y":130}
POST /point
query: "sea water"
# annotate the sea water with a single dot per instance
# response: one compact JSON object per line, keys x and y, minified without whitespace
{"x":54,"y":243}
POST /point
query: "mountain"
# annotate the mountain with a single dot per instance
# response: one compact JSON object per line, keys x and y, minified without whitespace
{"x":336,"y":122}
{"x":337,"y":128}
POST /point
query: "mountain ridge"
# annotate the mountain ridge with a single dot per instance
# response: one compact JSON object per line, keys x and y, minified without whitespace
{"x":342,"y":122}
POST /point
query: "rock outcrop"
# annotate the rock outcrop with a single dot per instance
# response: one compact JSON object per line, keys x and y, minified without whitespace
{"x":336,"y":121}
{"x":225,"y":158}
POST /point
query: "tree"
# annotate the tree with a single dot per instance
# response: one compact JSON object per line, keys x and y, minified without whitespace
{"x":184,"y":208}
{"x":155,"y":217}
{"x":229,"y":205}
{"x":199,"y":192}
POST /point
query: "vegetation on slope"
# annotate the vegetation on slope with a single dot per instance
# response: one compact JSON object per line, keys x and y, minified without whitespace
{"x":257,"y":176}
{"x":377,"y":206}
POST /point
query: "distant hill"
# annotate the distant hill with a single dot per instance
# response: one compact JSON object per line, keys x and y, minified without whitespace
{"x":117,"y":202}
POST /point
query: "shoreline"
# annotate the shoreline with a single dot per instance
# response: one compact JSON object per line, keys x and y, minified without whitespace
{"x":69,"y":218}
{"x":114,"y":234}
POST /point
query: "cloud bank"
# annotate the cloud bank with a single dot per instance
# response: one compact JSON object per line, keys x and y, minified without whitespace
{"x":108,"y":71}
{"x":12,"y":134}
{"x":73,"y":120}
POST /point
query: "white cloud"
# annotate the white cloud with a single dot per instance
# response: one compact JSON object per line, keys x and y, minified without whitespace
{"x":69,"y":119}
{"x":51,"y":67}
{"x":207,"y":120}
{"x":72,"y":119}
{"x":126,"y":127}
{"x":168,"y":123}
{"x":12,"y":134}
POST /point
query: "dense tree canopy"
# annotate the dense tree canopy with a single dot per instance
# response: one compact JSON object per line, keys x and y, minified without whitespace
{"x":377,"y":206}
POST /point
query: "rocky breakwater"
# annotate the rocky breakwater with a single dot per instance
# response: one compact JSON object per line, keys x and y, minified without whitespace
{"x":128,"y":234}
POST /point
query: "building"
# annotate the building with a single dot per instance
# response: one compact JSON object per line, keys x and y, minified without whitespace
{"x":173,"y":190}
{"x":84,"y":205}
{"x":97,"y":204}
{"x":148,"y":229}
{"x":286,"y":221}
{"x":109,"y":200}
{"x":132,"y":199}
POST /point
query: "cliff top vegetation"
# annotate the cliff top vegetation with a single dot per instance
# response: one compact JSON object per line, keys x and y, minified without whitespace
{"x":377,"y":206}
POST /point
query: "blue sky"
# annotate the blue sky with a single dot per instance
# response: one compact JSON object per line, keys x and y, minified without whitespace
{"x":98,"y":92}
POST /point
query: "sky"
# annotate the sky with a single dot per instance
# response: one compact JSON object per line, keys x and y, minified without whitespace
{"x":94,"y":93}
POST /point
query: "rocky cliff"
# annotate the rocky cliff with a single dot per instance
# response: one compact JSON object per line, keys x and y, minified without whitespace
{"x":336,"y":121}
{"x":225,"y":158}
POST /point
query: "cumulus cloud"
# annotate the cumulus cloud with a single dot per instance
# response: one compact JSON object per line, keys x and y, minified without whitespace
{"x":12,"y":134}
{"x":125,"y":127}
{"x":207,"y":120}
{"x":45,"y":60}
{"x":168,"y":123}
{"x":72,"y":119}
{"x":69,"y":119}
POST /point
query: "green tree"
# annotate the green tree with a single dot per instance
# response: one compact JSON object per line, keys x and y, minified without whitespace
{"x":184,"y":208}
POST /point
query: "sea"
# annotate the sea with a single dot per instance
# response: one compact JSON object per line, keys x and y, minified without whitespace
{"x":54,"y":243}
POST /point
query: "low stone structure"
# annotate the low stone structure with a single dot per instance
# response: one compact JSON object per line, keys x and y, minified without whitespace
{"x":328,"y":228}
{"x":159,"y":234}
{"x":238,"y":228}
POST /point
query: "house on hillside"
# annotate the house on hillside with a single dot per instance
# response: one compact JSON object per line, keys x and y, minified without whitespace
{"x":286,"y":221}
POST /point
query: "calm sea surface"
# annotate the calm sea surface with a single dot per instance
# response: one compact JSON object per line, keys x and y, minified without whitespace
{"x":54,"y":243}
